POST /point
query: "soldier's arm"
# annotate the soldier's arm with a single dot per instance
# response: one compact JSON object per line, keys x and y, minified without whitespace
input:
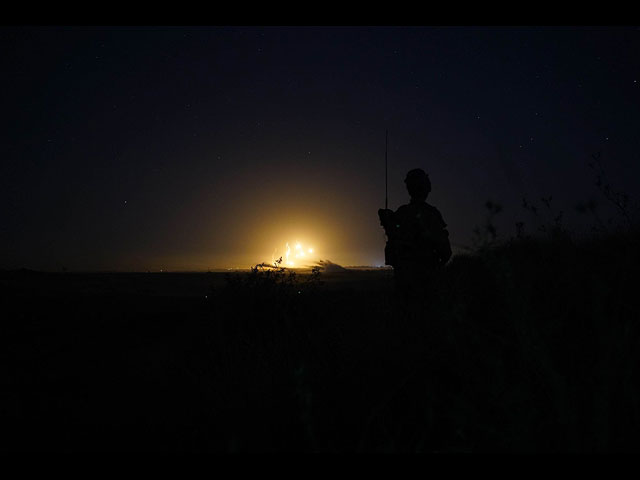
{"x":437,"y":235}
{"x":443,"y":247}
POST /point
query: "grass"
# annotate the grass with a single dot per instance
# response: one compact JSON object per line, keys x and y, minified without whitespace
{"x":530,"y":346}
{"x":526,"y":345}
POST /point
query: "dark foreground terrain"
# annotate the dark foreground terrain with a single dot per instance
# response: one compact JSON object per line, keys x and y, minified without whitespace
{"x":532,"y":346}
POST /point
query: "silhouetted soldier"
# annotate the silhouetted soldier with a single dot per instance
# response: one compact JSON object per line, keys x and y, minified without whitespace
{"x":418,"y":242}
{"x":418,"y":248}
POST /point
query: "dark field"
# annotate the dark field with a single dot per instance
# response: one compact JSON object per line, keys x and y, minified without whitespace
{"x":131,"y":361}
{"x":529,"y":347}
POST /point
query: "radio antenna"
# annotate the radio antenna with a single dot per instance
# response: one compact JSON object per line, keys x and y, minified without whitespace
{"x":386,"y":192}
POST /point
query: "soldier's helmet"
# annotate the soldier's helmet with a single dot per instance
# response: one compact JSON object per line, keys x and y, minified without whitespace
{"x":418,"y":183}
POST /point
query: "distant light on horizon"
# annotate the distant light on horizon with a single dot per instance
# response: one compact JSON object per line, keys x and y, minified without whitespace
{"x":288,"y":258}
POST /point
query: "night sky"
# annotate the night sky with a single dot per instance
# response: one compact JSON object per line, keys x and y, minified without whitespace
{"x":148,"y":148}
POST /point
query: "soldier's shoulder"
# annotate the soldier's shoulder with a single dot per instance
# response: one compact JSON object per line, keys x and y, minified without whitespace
{"x":435,"y":213}
{"x":404,"y":210}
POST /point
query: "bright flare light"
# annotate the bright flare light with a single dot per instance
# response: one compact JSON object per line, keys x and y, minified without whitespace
{"x":289,"y":258}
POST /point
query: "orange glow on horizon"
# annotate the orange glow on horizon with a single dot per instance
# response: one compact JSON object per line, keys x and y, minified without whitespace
{"x":292,"y":259}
